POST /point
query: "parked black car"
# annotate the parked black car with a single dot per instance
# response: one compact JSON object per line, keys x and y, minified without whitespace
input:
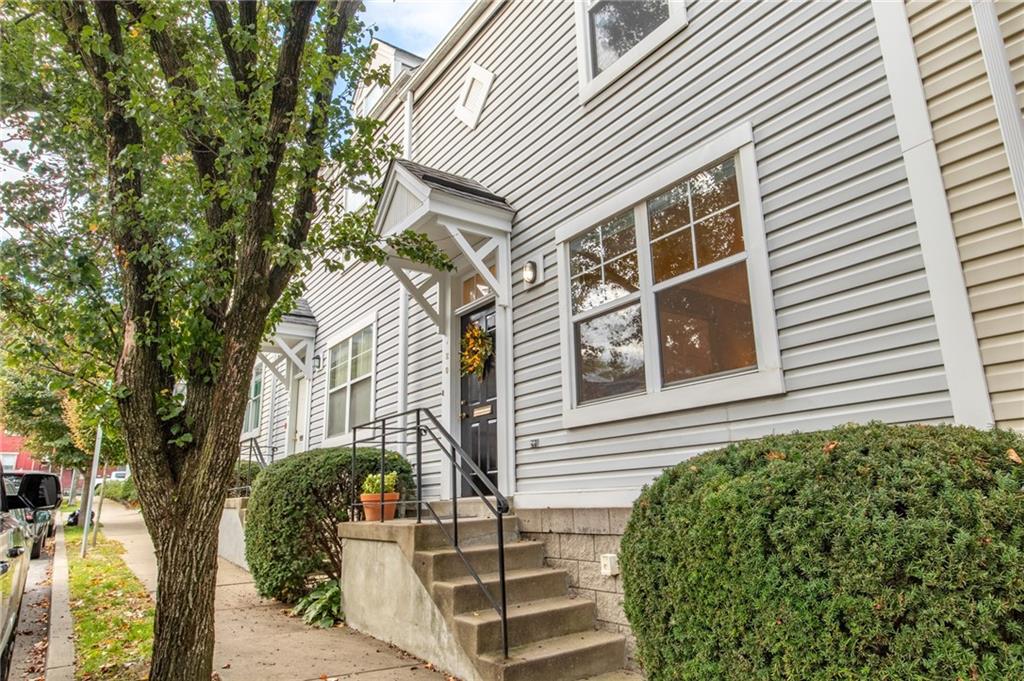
{"x":42,"y":523}
{"x":34,"y":493}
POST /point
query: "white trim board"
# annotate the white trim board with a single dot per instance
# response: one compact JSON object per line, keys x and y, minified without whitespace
{"x":1004,"y":91}
{"x":958,"y":342}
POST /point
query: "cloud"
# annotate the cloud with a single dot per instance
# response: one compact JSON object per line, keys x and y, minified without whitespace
{"x":414,"y":25}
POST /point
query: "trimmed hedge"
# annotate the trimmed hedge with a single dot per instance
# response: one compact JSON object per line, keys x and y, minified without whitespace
{"x":862,"y":552}
{"x":296,"y":503}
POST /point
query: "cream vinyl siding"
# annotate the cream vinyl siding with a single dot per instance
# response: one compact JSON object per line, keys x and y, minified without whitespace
{"x":853,"y":311}
{"x":983,"y":206}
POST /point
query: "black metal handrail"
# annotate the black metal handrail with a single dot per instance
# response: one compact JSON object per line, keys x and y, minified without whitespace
{"x":462,"y":466}
{"x":250,"y":453}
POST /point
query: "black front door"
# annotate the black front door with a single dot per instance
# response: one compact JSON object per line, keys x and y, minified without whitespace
{"x":478,"y":410}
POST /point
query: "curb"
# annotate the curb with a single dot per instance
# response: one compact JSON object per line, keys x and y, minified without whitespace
{"x":60,"y":656}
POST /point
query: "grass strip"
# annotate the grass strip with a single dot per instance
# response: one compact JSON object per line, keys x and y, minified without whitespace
{"x":112,"y":612}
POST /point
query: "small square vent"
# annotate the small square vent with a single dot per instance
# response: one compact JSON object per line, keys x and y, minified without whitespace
{"x":473,"y":95}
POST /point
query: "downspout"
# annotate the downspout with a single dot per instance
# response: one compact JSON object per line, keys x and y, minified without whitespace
{"x":409,"y":100}
{"x":272,"y":416}
{"x":403,"y":359}
{"x":403,"y":299}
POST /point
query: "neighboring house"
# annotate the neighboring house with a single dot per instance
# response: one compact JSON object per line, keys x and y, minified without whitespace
{"x":739,"y":218}
{"x":16,"y":456}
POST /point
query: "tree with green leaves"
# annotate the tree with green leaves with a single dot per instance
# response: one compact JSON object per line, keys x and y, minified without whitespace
{"x":58,"y":428}
{"x":179,"y":161}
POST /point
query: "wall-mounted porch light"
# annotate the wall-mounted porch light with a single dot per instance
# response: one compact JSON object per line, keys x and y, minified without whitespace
{"x":316,"y":362}
{"x":533,"y":272}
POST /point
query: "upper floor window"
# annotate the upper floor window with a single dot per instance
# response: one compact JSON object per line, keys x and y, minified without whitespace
{"x":251,"y":420}
{"x":349,"y":381}
{"x":671,"y":292}
{"x":613,"y":35}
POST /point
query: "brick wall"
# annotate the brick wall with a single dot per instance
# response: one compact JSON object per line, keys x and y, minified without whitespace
{"x":574,"y":539}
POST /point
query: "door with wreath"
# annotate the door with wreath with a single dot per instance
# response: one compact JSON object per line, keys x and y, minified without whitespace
{"x":478,"y":408}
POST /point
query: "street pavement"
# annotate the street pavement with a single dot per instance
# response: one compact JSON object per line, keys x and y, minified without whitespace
{"x":256,"y":639}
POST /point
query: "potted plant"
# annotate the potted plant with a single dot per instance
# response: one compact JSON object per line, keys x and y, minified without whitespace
{"x":371,"y":495}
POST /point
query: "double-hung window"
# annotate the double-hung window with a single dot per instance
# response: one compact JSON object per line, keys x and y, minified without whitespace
{"x":251,"y":420}
{"x":349,"y":380}
{"x":613,"y":35}
{"x":666,"y":291}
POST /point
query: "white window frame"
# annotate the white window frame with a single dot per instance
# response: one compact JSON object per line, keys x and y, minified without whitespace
{"x":471,"y":116}
{"x":255,"y":430}
{"x":765,"y":379}
{"x":590,"y":83}
{"x":342,"y":335}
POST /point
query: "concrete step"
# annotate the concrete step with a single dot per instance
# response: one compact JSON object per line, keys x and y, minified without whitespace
{"x":436,"y":565}
{"x":564,"y":658}
{"x":468,"y":507}
{"x":461,"y":595}
{"x":472,"y":532}
{"x":480,"y":631}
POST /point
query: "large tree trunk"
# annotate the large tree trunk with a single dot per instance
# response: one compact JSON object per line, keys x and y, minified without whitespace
{"x":186,"y":549}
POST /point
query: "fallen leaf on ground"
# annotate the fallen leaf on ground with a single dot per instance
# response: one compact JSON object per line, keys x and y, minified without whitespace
{"x":1013,"y":456}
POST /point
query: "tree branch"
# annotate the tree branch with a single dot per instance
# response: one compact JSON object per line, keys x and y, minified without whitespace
{"x":282,"y":103}
{"x":304,"y":208}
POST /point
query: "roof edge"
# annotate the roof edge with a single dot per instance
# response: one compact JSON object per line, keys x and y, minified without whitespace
{"x":464,"y":30}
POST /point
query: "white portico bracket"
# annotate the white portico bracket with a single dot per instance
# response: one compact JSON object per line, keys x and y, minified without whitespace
{"x":418,"y":292}
{"x":476,"y":258}
{"x":290,"y":354}
{"x":272,"y":365}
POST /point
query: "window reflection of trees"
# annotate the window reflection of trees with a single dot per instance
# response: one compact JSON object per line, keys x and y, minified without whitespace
{"x":603,"y":263}
{"x":617,"y":25}
{"x":704,"y":323}
{"x":610,"y":354}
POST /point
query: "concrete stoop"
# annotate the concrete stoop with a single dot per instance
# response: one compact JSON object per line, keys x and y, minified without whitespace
{"x":231,"y":532}
{"x":552,"y":635}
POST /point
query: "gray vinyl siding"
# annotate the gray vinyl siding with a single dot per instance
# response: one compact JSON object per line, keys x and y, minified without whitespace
{"x":338,"y":299}
{"x":853,"y":311}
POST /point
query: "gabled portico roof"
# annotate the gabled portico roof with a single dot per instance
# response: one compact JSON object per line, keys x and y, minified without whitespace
{"x":292,"y":341}
{"x":461,"y":216}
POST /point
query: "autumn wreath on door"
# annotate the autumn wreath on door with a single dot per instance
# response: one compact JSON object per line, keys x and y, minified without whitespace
{"x":477,"y":350}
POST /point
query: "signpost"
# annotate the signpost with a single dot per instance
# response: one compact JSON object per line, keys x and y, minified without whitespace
{"x":91,"y":488}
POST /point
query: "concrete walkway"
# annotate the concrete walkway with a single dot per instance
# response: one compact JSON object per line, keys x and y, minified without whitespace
{"x":256,"y":639}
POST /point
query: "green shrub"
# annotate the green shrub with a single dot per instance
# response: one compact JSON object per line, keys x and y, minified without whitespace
{"x":245,"y":473}
{"x":296,"y":503}
{"x":121,"y":490}
{"x":863,"y":552}
{"x":321,"y":606}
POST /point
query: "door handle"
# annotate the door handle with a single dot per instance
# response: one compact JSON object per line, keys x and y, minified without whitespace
{"x":4,"y":567}
{"x":15,"y":551}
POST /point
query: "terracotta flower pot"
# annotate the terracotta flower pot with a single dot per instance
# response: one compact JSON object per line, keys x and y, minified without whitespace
{"x":371,"y":505}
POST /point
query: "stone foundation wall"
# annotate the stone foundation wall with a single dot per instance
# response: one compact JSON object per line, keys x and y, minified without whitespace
{"x":574,"y":539}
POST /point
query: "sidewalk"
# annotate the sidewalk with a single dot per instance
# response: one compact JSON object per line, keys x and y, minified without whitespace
{"x":255,"y":639}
